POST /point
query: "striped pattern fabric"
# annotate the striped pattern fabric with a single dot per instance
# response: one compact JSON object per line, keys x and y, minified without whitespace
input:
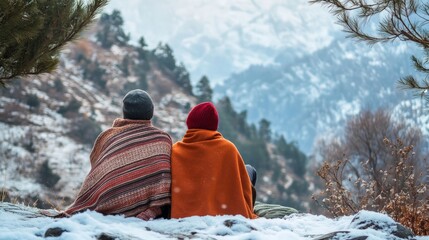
{"x":130,"y":172}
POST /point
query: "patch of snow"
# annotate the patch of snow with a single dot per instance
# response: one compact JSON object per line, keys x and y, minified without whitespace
{"x":116,"y":50}
{"x":379,"y":218}
{"x":90,"y":225}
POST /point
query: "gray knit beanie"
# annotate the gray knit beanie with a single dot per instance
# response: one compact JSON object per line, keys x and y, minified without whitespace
{"x":137,"y":105}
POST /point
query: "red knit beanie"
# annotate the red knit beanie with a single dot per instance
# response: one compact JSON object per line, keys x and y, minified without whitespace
{"x":203,"y":116}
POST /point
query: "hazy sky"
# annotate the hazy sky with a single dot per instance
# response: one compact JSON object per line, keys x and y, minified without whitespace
{"x":221,"y":37}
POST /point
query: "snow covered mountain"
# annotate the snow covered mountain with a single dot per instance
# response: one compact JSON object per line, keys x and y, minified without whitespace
{"x":218,"y":38}
{"x":274,"y":48}
{"x":309,"y":96}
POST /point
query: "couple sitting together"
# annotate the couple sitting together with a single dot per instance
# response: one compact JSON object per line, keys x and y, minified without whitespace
{"x":137,"y":172}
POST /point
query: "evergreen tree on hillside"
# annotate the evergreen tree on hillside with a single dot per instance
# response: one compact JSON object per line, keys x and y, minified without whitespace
{"x":142,"y":49}
{"x":93,"y":72}
{"x":111,"y":31}
{"x":73,"y":107}
{"x":226,"y":119}
{"x":183,"y":78}
{"x":46,"y":176}
{"x":125,"y":65}
{"x":142,"y":43}
{"x":242,"y":125}
{"x":58,"y":85}
{"x":164,"y":55}
{"x":204,"y":92}
{"x":297,"y":160}
{"x":33,"y":101}
{"x":252,"y":149}
{"x":403,"y":20}
{"x":166,"y":60}
{"x":265,"y":130}
{"x":143,"y":56}
{"x":32,"y":33}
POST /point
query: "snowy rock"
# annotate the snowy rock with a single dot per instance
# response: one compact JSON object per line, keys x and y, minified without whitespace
{"x":371,"y":221}
{"x":378,"y":221}
{"x":54,"y":232}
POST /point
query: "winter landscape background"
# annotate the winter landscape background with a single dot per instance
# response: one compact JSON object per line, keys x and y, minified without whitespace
{"x":224,"y":37}
{"x":286,"y":61}
{"x":283,"y":77}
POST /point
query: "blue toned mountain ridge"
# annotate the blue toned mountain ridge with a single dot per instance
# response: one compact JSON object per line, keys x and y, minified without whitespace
{"x":310,"y":96}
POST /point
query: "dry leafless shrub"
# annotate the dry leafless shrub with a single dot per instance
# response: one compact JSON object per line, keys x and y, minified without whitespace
{"x":399,"y":191}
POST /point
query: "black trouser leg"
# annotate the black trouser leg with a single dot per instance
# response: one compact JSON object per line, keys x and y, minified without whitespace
{"x":251,"y":171}
{"x":252,"y":174}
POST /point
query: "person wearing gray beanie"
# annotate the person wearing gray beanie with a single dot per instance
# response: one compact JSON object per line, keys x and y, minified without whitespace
{"x":137,"y":105}
{"x":130,"y":166}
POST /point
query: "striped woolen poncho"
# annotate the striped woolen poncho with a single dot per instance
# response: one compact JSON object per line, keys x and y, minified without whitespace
{"x":130,"y":172}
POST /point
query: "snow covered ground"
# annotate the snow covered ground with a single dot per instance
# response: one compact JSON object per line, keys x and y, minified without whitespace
{"x":18,"y":222}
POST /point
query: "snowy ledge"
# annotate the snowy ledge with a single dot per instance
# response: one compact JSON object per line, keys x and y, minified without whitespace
{"x":20,"y":222}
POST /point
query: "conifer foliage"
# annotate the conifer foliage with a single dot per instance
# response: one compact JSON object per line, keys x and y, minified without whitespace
{"x":405,"y":20}
{"x":33,"y":32}
{"x":46,"y":176}
{"x":111,"y":30}
{"x":204,"y":91}
{"x":165,"y":58}
{"x":297,"y":159}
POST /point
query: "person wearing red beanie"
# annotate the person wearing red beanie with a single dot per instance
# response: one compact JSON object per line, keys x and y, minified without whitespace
{"x":203,"y":116}
{"x":209,"y":176}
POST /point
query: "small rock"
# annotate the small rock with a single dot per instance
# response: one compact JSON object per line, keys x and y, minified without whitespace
{"x":229,"y":222}
{"x":54,"y":232}
{"x":105,"y":236}
{"x":234,"y":222}
{"x":403,"y":232}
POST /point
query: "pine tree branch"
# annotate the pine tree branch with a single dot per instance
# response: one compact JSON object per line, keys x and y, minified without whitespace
{"x":93,"y":9}
{"x":61,"y":21}
{"x":406,"y":20}
{"x":409,"y":82}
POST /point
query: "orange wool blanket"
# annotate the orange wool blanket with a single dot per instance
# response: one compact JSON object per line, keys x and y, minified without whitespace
{"x":209,"y":177}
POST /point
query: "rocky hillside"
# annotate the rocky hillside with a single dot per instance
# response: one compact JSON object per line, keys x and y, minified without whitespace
{"x":49,"y":122}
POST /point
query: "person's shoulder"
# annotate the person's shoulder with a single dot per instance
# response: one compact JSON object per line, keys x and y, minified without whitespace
{"x":177,"y":145}
{"x":105,"y":133}
{"x":161,"y":132}
{"x":228,"y":144}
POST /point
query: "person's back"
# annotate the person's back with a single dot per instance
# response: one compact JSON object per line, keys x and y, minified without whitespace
{"x":208,"y":174}
{"x":130,"y":165}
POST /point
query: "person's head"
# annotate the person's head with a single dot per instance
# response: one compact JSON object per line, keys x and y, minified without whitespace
{"x":203,"y":116}
{"x":137,"y":105}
